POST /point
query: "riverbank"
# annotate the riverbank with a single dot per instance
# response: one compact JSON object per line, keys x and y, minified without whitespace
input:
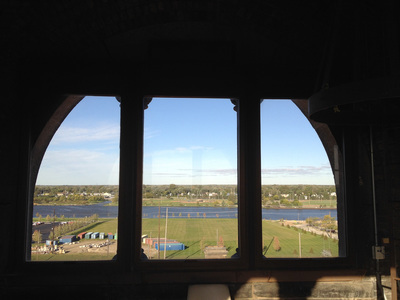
{"x":108,"y":203}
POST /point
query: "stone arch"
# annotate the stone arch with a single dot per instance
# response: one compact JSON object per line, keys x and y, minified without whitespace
{"x":48,"y":131}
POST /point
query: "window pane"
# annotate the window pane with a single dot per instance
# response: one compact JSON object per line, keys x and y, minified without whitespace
{"x":299,"y":216}
{"x":190,"y":179}
{"x":75,"y":213}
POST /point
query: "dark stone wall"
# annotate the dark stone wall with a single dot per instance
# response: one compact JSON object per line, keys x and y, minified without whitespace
{"x":356,"y":146}
{"x":275,"y":50}
{"x":298,"y":290}
{"x":14,"y":136}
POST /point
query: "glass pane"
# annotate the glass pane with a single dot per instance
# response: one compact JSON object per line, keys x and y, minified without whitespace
{"x":75,"y":212}
{"x":299,"y":215}
{"x":190,"y":179}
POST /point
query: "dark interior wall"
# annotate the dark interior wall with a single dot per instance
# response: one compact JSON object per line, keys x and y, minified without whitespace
{"x":386,"y":149}
{"x":191,"y":48}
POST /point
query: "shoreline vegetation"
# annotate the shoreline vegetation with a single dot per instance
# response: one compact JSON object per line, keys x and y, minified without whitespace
{"x":273,"y":196}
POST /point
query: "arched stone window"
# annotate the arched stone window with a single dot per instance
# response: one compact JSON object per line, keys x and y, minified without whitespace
{"x":188,"y":171}
{"x":299,"y":198}
{"x":77,"y":184}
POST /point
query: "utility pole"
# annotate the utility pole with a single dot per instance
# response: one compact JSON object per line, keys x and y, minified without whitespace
{"x":159,"y":226}
{"x":37,"y":251}
{"x":165,"y":242}
{"x":149,"y":247}
{"x":299,"y":245}
{"x":54,"y":221}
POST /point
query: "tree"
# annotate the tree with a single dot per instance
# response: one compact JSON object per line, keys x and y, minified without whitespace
{"x":115,"y":198}
{"x":296,"y":203}
{"x":232,"y":198}
{"x":37,"y":236}
{"x":148,"y":195}
{"x":39,"y":216}
{"x":52,"y":236}
{"x":328,"y":223}
{"x":312,"y":221}
{"x":277,"y":246}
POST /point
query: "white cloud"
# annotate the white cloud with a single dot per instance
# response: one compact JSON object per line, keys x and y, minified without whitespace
{"x":78,"y":166}
{"x":70,"y":135}
{"x":189,"y":165}
{"x":298,"y":175}
{"x":149,"y":133}
{"x":299,"y":170}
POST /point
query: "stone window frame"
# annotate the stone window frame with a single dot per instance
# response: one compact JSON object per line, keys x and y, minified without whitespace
{"x":249,"y":187}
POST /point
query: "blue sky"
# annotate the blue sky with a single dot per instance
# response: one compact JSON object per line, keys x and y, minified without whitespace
{"x":291,"y":151}
{"x":190,"y":142}
{"x":187,"y":141}
{"x":85,"y":149}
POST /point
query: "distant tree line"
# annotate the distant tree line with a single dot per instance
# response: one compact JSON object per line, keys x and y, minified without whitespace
{"x":299,"y":192}
{"x":295,"y":195}
{"x":192,"y":192}
{"x":75,"y":194}
{"x":271,"y":194}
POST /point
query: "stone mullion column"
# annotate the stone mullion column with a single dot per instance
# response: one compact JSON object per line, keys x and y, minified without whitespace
{"x":131,"y":173}
{"x":249,"y":167}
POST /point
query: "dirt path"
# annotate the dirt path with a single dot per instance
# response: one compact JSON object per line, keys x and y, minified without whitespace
{"x":90,"y":245}
{"x":303,"y":225}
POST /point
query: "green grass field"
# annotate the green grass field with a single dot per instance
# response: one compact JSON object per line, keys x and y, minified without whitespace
{"x":103,"y":225}
{"x":289,"y":240}
{"x":198,"y":233}
{"x":195,"y":234}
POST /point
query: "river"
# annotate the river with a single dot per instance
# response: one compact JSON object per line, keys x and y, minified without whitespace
{"x":105,"y":211}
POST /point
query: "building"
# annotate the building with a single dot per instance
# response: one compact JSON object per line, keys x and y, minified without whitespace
{"x":67,"y":239}
{"x":81,"y":235}
{"x":338,"y":61}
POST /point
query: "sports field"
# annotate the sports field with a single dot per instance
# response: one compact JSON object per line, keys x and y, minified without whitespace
{"x":196,"y":234}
